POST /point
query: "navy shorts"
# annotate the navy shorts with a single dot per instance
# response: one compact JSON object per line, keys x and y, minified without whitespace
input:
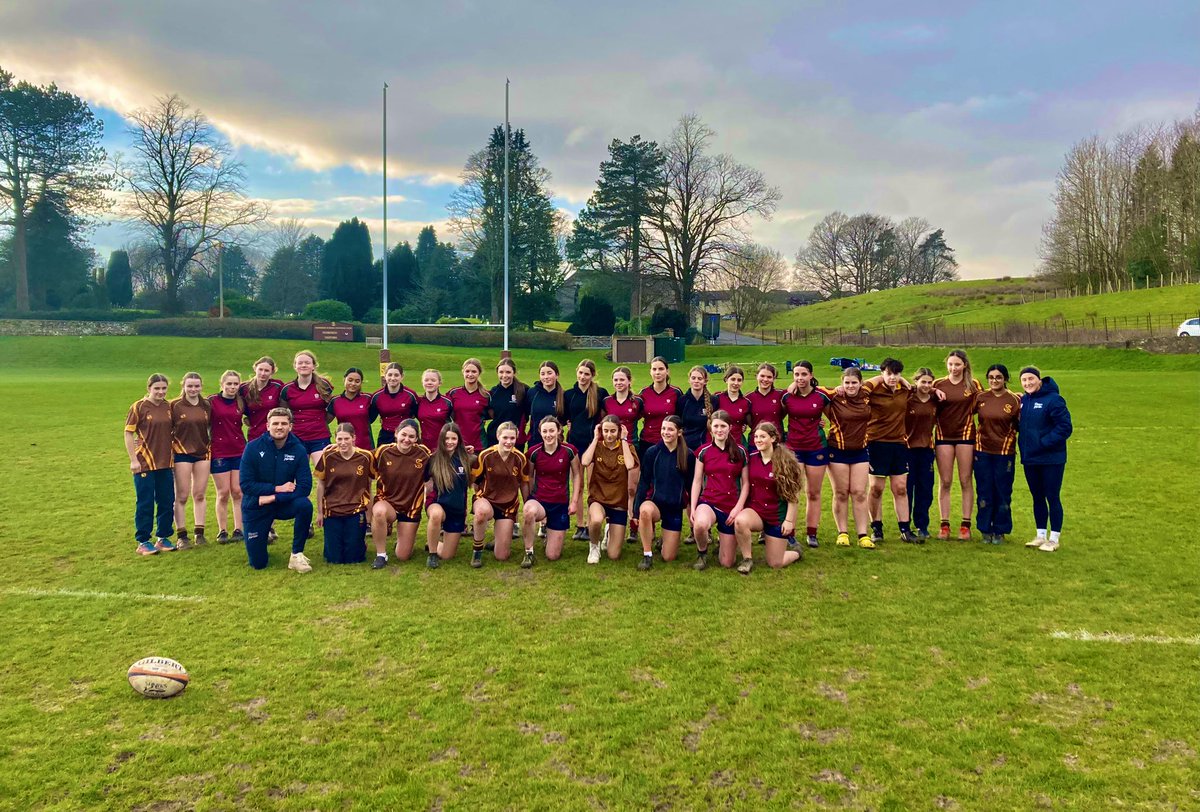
{"x":672,"y":517}
{"x":557,"y":517}
{"x":189,"y":458}
{"x":723,"y":525}
{"x":385,"y":436}
{"x":455,"y":521}
{"x":773,"y":530}
{"x":618,"y":516}
{"x":849,"y":457}
{"x":222,"y":465}
{"x":813,"y":459}
{"x":888,"y":459}
{"x":313,"y":446}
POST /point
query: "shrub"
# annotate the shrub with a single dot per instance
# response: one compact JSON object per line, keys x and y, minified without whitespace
{"x":594,"y":317}
{"x":458,"y":337}
{"x":327,"y":310}
{"x":452,"y":320}
{"x":233,"y":328}
{"x":246,"y":308}
{"x":666,"y":317}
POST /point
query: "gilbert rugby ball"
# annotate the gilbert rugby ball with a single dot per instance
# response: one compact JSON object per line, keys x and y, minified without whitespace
{"x":158,"y":677}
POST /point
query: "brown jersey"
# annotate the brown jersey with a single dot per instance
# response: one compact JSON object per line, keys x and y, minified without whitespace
{"x":889,"y":407}
{"x":919,"y":421}
{"x":998,"y":418}
{"x":848,"y":420}
{"x":400,"y":477}
{"x":152,"y":426}
{"x":347,"y":482}
{"x":497,"y":479}
{"x":190,"y":427}
{"x":608,"y":482}
{"x":956,"y":414}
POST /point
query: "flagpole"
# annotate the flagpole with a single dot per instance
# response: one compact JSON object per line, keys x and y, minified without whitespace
{"x":507,"y":138}
{"x":385,"y":219}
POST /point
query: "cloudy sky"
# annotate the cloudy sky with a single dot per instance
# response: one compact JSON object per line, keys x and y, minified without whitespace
{"x":957,"y":112}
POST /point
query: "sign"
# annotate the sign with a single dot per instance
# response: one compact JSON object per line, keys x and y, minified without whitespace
{"x":332,"y":331}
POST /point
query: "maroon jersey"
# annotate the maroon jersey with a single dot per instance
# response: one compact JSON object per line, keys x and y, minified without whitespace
{"x":432,"y":415}
{"x":226,"y":426}
{"x":469,"y":409}
{"x":393,"y":408}
{"x":739,"y":413}
{"x":551,"y":473}
{"x":628,"y":412}
{"x":656,"y":406}
{"x":766,"y":408}
{"x":357,"y":412}
{"x":256,"y":411}
{"x":310,"y":420}
{"x":722,"y":476}
{"x":804,"y":420}
{"x":764,"y":496}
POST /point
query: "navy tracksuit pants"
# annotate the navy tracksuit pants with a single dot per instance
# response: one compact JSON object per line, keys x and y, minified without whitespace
{"x":258,"y":523}
{"x":920,"y":486}
{"x":346,"y":539}
{"x":993,"y":492}
{"x":1045,"y":486}
{"x":155,"y":490}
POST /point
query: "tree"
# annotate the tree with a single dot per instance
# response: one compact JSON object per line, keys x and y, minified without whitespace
{"x":936,"y":260}
{"x":865,"y":244}
{"x":57,"y":260}
{"x":820,"y":263}
{"x":347,"y":273}
{"x":404,"y":274}
{"x":751,"y":276}
{"x":289,"y":281}
{"x":594,"y":317}
{"x":705,"y":211}
{"x":118,"y":279}
{"x":606,"y":238}
{"x":49,"y":145}
{"x":187,"y":190}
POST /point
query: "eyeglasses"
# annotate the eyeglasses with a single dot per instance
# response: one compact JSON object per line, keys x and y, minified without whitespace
{"x":995,"y":377}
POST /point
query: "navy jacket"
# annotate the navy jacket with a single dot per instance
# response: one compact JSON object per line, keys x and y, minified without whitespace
{"x":695,"y":420}
{"x":583,"y":425}
{"x":1045,"y":426}
{"x":662,"y":480}
{"x":264,"y":466}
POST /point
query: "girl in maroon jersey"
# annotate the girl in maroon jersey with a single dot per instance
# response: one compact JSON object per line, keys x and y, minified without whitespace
{"x":659,"y":400}
{"x":399,"y":492}
{"x":228,"y":443}
{"x":393,"y":403}
{"x":192,"y":445}
{"x":260,"y":395}
{"x":626,"y":407}
{"x":766,"y":402}
{"x":776,"y":482}
{"x":805,"y":405}
{"x":955,"y":444}
{"x":556,"y":483}
{"x":469,"y":404}
{"x":734,"y":403}
{"x":353,"y":407}
{"x":720,"y":488}
{"x":308,"y":397}
{"x":434,"y":410}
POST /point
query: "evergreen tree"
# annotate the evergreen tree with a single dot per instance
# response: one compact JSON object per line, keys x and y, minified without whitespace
{"x":59,"y":263}
{"x":290,"y":279}
{"x":347,"y":272}
{"x":404,"y":275}
{"x":118,"y":279}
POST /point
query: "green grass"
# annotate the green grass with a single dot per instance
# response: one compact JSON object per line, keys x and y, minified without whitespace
{"x":905,"y":678}
{"x":557,"y":326}
{"x":985,"y":301}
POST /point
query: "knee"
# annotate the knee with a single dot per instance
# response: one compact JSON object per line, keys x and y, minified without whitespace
{"x":842,"y":493}
{"x":553,"y":555}
{"x":741,"y":524}
{"x":646,"y":513}
{"x":900,"y":491}
{"x":858,"y":494}
{"x":529,"y":513}
{"x":303,"y":507}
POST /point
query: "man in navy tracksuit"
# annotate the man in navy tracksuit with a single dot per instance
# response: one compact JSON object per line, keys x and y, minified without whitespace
{"x":276,"y":482}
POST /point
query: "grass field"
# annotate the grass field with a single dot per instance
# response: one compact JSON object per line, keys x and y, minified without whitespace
{"x":984,"y":301}
{"x":905,"y":678}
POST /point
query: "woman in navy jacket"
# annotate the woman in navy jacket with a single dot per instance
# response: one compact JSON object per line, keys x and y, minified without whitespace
{"x":1044,"y":428}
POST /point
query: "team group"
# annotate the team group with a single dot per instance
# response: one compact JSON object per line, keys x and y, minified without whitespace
{"x":650,"y":457}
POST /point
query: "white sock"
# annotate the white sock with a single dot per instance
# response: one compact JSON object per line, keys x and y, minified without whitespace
{"x":1041,"y":533}
{"x":648,"y":555}
{"x":1054,"y":536}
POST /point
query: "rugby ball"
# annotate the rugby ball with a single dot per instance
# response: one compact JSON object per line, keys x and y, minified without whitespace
{"x":158,"y":677}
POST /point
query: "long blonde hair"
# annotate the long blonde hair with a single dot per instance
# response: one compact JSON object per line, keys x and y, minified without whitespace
{"x":789,"y":476}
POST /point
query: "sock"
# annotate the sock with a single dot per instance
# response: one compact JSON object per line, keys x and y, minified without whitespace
{"x":381,"y":555}
{"x":946,"y":523}
{"x":477,"y":552}
{"x":877,"y":526}
{"x":477,"y":545}
{"x":1041,"y":533}
{"x":862,"y":536}
{"x":810,"y":531}
{"x":1054,"y":535}
{"x":966,"y":523}
{"x":528,"y":551}
{"x":647,"y":555}
{"x":904,"y":527}
{"x":199,"y":530}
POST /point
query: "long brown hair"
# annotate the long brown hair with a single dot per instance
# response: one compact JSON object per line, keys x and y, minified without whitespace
{"x":558,"y":392}
{"x":731,"y":370}
{"x":707,"y":394}
{"x":737,"y":454}
{"x":593,"y":392}
{"x":519,"y":388}
{"x":681,"y":449}
{"x":253,"y":390}
{"x":789,"y":476}
{"x":241,"y":405}
{"x":962,"y":356}
{"x":441,"y":462}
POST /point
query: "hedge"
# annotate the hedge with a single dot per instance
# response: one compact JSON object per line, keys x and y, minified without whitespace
{"x":489,"y":337}
{"x":81,"y":314}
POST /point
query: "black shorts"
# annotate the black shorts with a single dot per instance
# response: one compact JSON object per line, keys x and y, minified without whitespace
{"x":671,"y":517}
{"x":385,"y":437}
{"x":557,"y":517}
{"x":618,"y":516}
{"x":888,"y":459}
{"x":189,"y":458}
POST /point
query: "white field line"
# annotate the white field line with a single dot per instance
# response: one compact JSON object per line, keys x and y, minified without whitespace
{"x":89,"y":593}
{"x":1123,"y":639}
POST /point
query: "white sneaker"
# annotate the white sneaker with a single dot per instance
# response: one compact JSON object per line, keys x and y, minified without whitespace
{"x":1037,"y":542}
{"x":299,"y":562}
{"x":593,"y":553}
{"x":1048,"y":546}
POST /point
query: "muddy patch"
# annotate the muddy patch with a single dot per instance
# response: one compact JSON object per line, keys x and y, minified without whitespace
{"x":832,"y":693}
{"x":254,"y":709}
{"x":691,"y":739}
{"x":821,"y":736}
{"x":645,"y":675}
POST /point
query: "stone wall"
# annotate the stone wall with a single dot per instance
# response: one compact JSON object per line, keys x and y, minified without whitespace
{"x":42,"y":327}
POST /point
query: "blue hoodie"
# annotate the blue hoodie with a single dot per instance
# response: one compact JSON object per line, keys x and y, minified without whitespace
{"x":264,"y":466}
{"x":1045,"y":426}
{"x":662,"y":480}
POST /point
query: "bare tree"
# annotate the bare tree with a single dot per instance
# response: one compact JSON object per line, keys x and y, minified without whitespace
{"x":704,"y":215}
{"x":752,"y":276}
{"x":187,"y":189}
{"x":821,"y":264}
{"x":864,"y":250}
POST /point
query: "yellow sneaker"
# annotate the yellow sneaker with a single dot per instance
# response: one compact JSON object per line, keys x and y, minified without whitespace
{"x":843,"y":540}
{"x":865,"y":542}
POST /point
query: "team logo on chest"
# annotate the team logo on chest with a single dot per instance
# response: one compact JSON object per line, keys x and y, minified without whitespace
{"x":358,"y":471}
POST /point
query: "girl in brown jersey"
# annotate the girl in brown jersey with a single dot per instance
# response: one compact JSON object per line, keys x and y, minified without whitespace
{"x":922,"y":413}
{"x":887,"y":447}
{"x":344,"y":475}
{"x":399,"y":492}
{"x":998,"y":411}
{"x":148,"y":444}
{"x":191,"y":442}
{"x":956,"y":439}
{"x":849,"y":414}
{"x":612,"y":460}
{"x":500,"y":485}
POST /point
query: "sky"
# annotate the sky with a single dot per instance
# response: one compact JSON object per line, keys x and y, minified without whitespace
{"x":957,"y":112}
